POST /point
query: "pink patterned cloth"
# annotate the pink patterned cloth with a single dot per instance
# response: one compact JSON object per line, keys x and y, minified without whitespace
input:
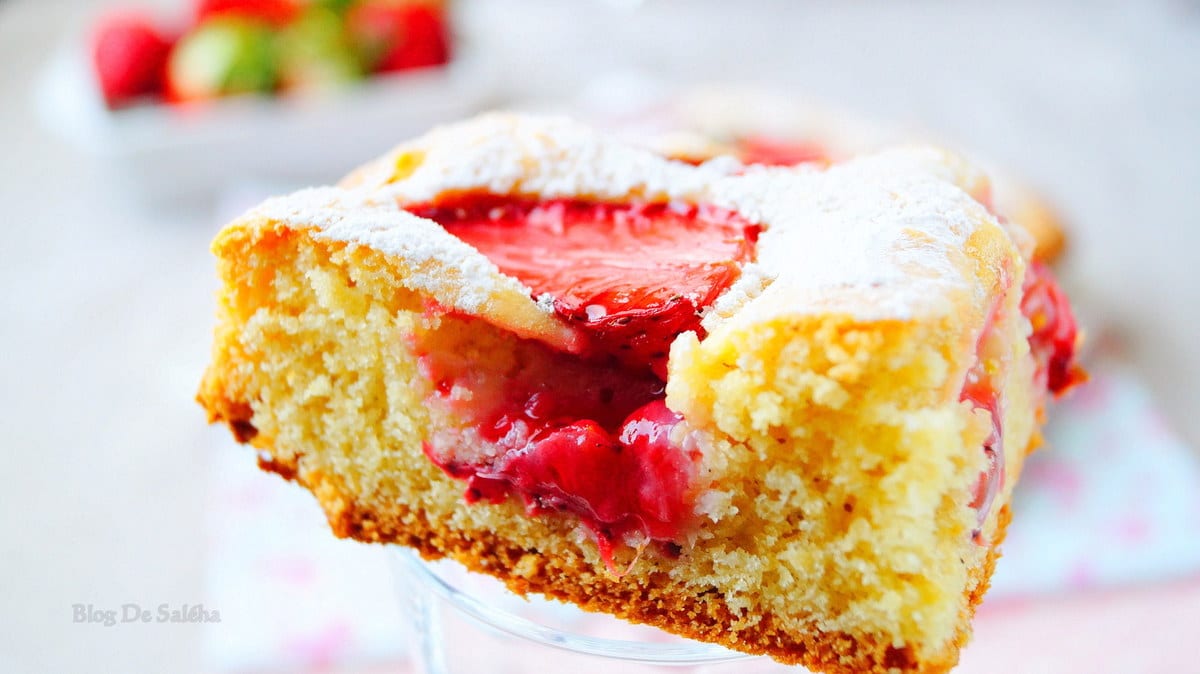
{"x":1113,"y":499}
{"x":1104,"y":515}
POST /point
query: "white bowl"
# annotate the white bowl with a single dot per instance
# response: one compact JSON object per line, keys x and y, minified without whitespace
{"x":172,"y":151}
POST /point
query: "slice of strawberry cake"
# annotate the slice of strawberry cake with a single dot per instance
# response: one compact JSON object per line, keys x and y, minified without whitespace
{"x":778,"y":409}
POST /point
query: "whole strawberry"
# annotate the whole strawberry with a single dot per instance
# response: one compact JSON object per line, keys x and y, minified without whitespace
{"x":128,"y":56}
{"x":393,"y":36}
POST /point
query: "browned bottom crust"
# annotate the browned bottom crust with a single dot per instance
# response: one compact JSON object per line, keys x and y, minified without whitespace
{"x":573,"y":579}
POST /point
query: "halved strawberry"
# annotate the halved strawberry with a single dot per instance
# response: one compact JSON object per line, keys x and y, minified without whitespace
{"x":394,"y":36}
{"x":129,"y":55}
{"x":276,"y":12}
{"x":633,"y":277}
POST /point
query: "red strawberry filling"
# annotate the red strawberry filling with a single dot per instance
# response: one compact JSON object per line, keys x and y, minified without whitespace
{"x":1054,"y":335}
{"x":588,"y":433}
{"x":980,"y":392}
{"x":1052,"y":345}
{"x":634,"y":480}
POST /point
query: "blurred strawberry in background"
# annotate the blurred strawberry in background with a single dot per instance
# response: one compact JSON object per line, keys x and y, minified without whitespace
{"x":232,"y":47}
{"x":128,"y":55}
{"x":396,"y":36}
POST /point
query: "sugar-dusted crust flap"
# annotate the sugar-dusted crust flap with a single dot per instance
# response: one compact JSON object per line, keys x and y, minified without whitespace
{"x":428,"y":259}
{"x":886,"y":236}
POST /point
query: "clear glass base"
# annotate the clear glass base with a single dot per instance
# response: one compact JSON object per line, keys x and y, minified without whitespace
{"x":467,"y":623}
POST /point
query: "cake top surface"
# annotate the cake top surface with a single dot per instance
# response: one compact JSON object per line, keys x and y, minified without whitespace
{"x":879,"y":237}
{"x":349,"y":216}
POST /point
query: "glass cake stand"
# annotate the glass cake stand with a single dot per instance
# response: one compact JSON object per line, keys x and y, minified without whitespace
{"x":468,"y":623}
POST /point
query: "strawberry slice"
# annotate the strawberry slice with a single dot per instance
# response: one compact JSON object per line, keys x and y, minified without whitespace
{"x":129,"y":55}
{"x":632,"y":277}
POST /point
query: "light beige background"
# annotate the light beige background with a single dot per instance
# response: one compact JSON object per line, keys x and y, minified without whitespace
{"x":106,"y":304}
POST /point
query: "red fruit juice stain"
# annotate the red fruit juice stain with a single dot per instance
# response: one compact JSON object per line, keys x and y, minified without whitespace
{"x":590,"y":433}
{"x":1052,"y":343}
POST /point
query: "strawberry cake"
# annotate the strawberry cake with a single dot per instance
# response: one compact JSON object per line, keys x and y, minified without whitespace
{"x":777,"y":409}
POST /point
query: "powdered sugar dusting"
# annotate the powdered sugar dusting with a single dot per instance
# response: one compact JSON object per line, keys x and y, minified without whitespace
{"x":544,"y":156}
{"x":885,"y":234}
{"x":878,"y":237}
